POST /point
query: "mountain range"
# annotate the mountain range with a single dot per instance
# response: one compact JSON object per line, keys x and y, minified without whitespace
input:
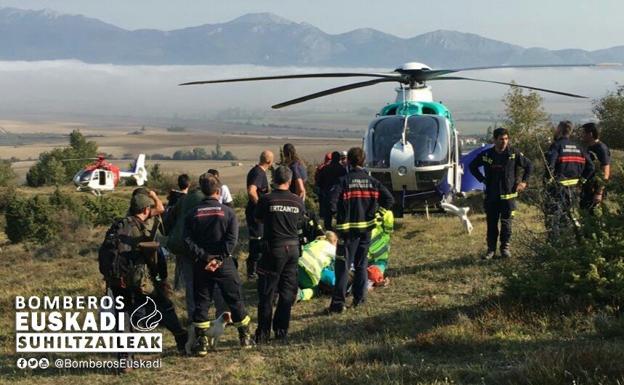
{"x":261,"y":39}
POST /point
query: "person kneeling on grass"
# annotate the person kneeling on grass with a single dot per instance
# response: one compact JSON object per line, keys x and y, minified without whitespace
{"x":316,"y":266}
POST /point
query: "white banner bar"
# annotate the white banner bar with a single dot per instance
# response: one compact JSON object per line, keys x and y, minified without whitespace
{"x":88,"y":343}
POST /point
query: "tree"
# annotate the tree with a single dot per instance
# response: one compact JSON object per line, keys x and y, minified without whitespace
{"x":524,"y":113}
{"x":61,"y":164}
{"x":6,"y":173}
{"x":527,"y":121}
{"x":610,"y":112}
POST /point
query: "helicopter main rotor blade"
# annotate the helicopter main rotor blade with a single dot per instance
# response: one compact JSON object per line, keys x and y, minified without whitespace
{"x":73,"y":159}
{"x":389,"y":75}
{"x":513,"y":85}
{"x":521,"y":66}
{"x":421,"y":75}
{"x":333,"y":91}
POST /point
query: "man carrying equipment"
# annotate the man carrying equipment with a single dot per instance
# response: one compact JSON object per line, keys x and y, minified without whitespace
{"x":257,"y":186}
{"x":129,"y":263}
{"x":502,"y":186}
{"x":211,"y":233}
{"x":281,"y":212}
{"x":355,"y":200}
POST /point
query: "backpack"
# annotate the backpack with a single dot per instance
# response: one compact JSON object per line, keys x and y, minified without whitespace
{"x":119,"y":263}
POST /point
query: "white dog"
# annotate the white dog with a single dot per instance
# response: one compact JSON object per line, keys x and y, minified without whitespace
{"x":214,"y":332}
{"x":461,"y":212}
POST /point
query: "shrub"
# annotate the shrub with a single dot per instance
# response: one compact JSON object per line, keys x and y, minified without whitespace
{"x":585,"y":267}
{"x":7,"y":175}
{"x":104,"y":211}
{"x":31,"y":220}
{"x":43,"y":219}
{"x":240,"y":199}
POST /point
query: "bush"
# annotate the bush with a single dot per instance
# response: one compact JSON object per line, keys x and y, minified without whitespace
{"x":160,"y":181}
{"x":31,"y":220}
{"x":104,"y":211}
{"x":43,"y":219}
{"x":240,"y":199}
{"x":582,"y":268}
{"x":7,"y":175}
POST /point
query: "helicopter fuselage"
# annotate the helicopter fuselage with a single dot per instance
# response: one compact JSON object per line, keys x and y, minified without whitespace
{"x":413,"y":149}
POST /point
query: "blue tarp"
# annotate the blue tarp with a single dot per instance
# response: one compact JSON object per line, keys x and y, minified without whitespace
{"x":469,"y":182}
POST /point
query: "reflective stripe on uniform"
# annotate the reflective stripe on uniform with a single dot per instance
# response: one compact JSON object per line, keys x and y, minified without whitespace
{"x":568,"y":182}
{"x":244,"y":322}
{"x":509,"y":196}
{"x":315,"y":257}
{"x":355,"y":225}
{"x":202,"y":325}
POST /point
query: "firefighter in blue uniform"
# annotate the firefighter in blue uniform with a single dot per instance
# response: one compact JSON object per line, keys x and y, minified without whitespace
{"x":502,"y":185}
{"x":568,"y":168}
{"x":355,"y":200}
{"x":211,"y":233}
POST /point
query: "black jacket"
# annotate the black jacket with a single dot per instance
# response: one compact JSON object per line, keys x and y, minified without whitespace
{"x":329,"y":176}
{"x":500,"y":169}
{"x":568,"y":162}
{"x":211,"y":230}
{"x":355,"y":199}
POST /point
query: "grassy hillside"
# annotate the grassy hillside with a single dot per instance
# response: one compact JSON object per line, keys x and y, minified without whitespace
{"x":442,"y":320}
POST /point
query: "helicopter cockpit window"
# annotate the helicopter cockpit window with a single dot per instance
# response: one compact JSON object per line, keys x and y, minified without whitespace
{"x":102,"y":177}
{"x":428,"y":136}
{"x":85,"y":176}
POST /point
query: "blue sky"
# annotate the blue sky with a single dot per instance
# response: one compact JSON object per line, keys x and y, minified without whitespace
{"x":551,"y":24}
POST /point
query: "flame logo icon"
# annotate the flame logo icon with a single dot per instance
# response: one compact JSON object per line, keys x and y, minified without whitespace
{"x":149,"y":321}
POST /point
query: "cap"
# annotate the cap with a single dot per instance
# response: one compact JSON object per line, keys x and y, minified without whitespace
{"x":343,"y":154}
{"x":139,"y":202}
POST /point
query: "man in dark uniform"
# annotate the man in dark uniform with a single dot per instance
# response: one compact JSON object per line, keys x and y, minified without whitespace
{"x":281,"y":212}
{"x":328,"y":177}
{"x":355,"y":200}
{"x":257,"y":186}
{"x":593,"y":192}
{"x":211,"y":233}
{"x":502,"y":185}
{"x":568,"y":166}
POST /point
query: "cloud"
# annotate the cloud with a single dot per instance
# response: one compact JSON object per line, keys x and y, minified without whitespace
{"x":68,"y":87}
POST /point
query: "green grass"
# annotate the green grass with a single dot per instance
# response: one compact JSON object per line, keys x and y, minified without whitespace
{"x":442,"y":320}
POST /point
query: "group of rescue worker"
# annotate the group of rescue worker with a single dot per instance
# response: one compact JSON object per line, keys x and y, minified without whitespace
{"x":290,"y":256}
{"x":570,"y":167}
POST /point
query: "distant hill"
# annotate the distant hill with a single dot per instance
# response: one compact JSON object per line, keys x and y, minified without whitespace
{"x":261,"y":39}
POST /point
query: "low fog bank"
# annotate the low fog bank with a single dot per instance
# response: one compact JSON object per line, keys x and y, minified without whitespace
{"x":67,"y":89}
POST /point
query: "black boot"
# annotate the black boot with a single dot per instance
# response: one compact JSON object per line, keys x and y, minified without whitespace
{"x":200,"y":348}
{"x":181,"y":339}
{"x":244,"y":337}
{"x":281,"y":335}
{"x":261,"y":337}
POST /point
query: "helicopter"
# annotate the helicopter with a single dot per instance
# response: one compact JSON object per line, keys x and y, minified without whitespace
{"x":413,"y":146}
{"x":102,"y":176}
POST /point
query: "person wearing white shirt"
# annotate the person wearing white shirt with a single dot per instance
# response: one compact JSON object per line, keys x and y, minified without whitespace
{"x":226,"y":196}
